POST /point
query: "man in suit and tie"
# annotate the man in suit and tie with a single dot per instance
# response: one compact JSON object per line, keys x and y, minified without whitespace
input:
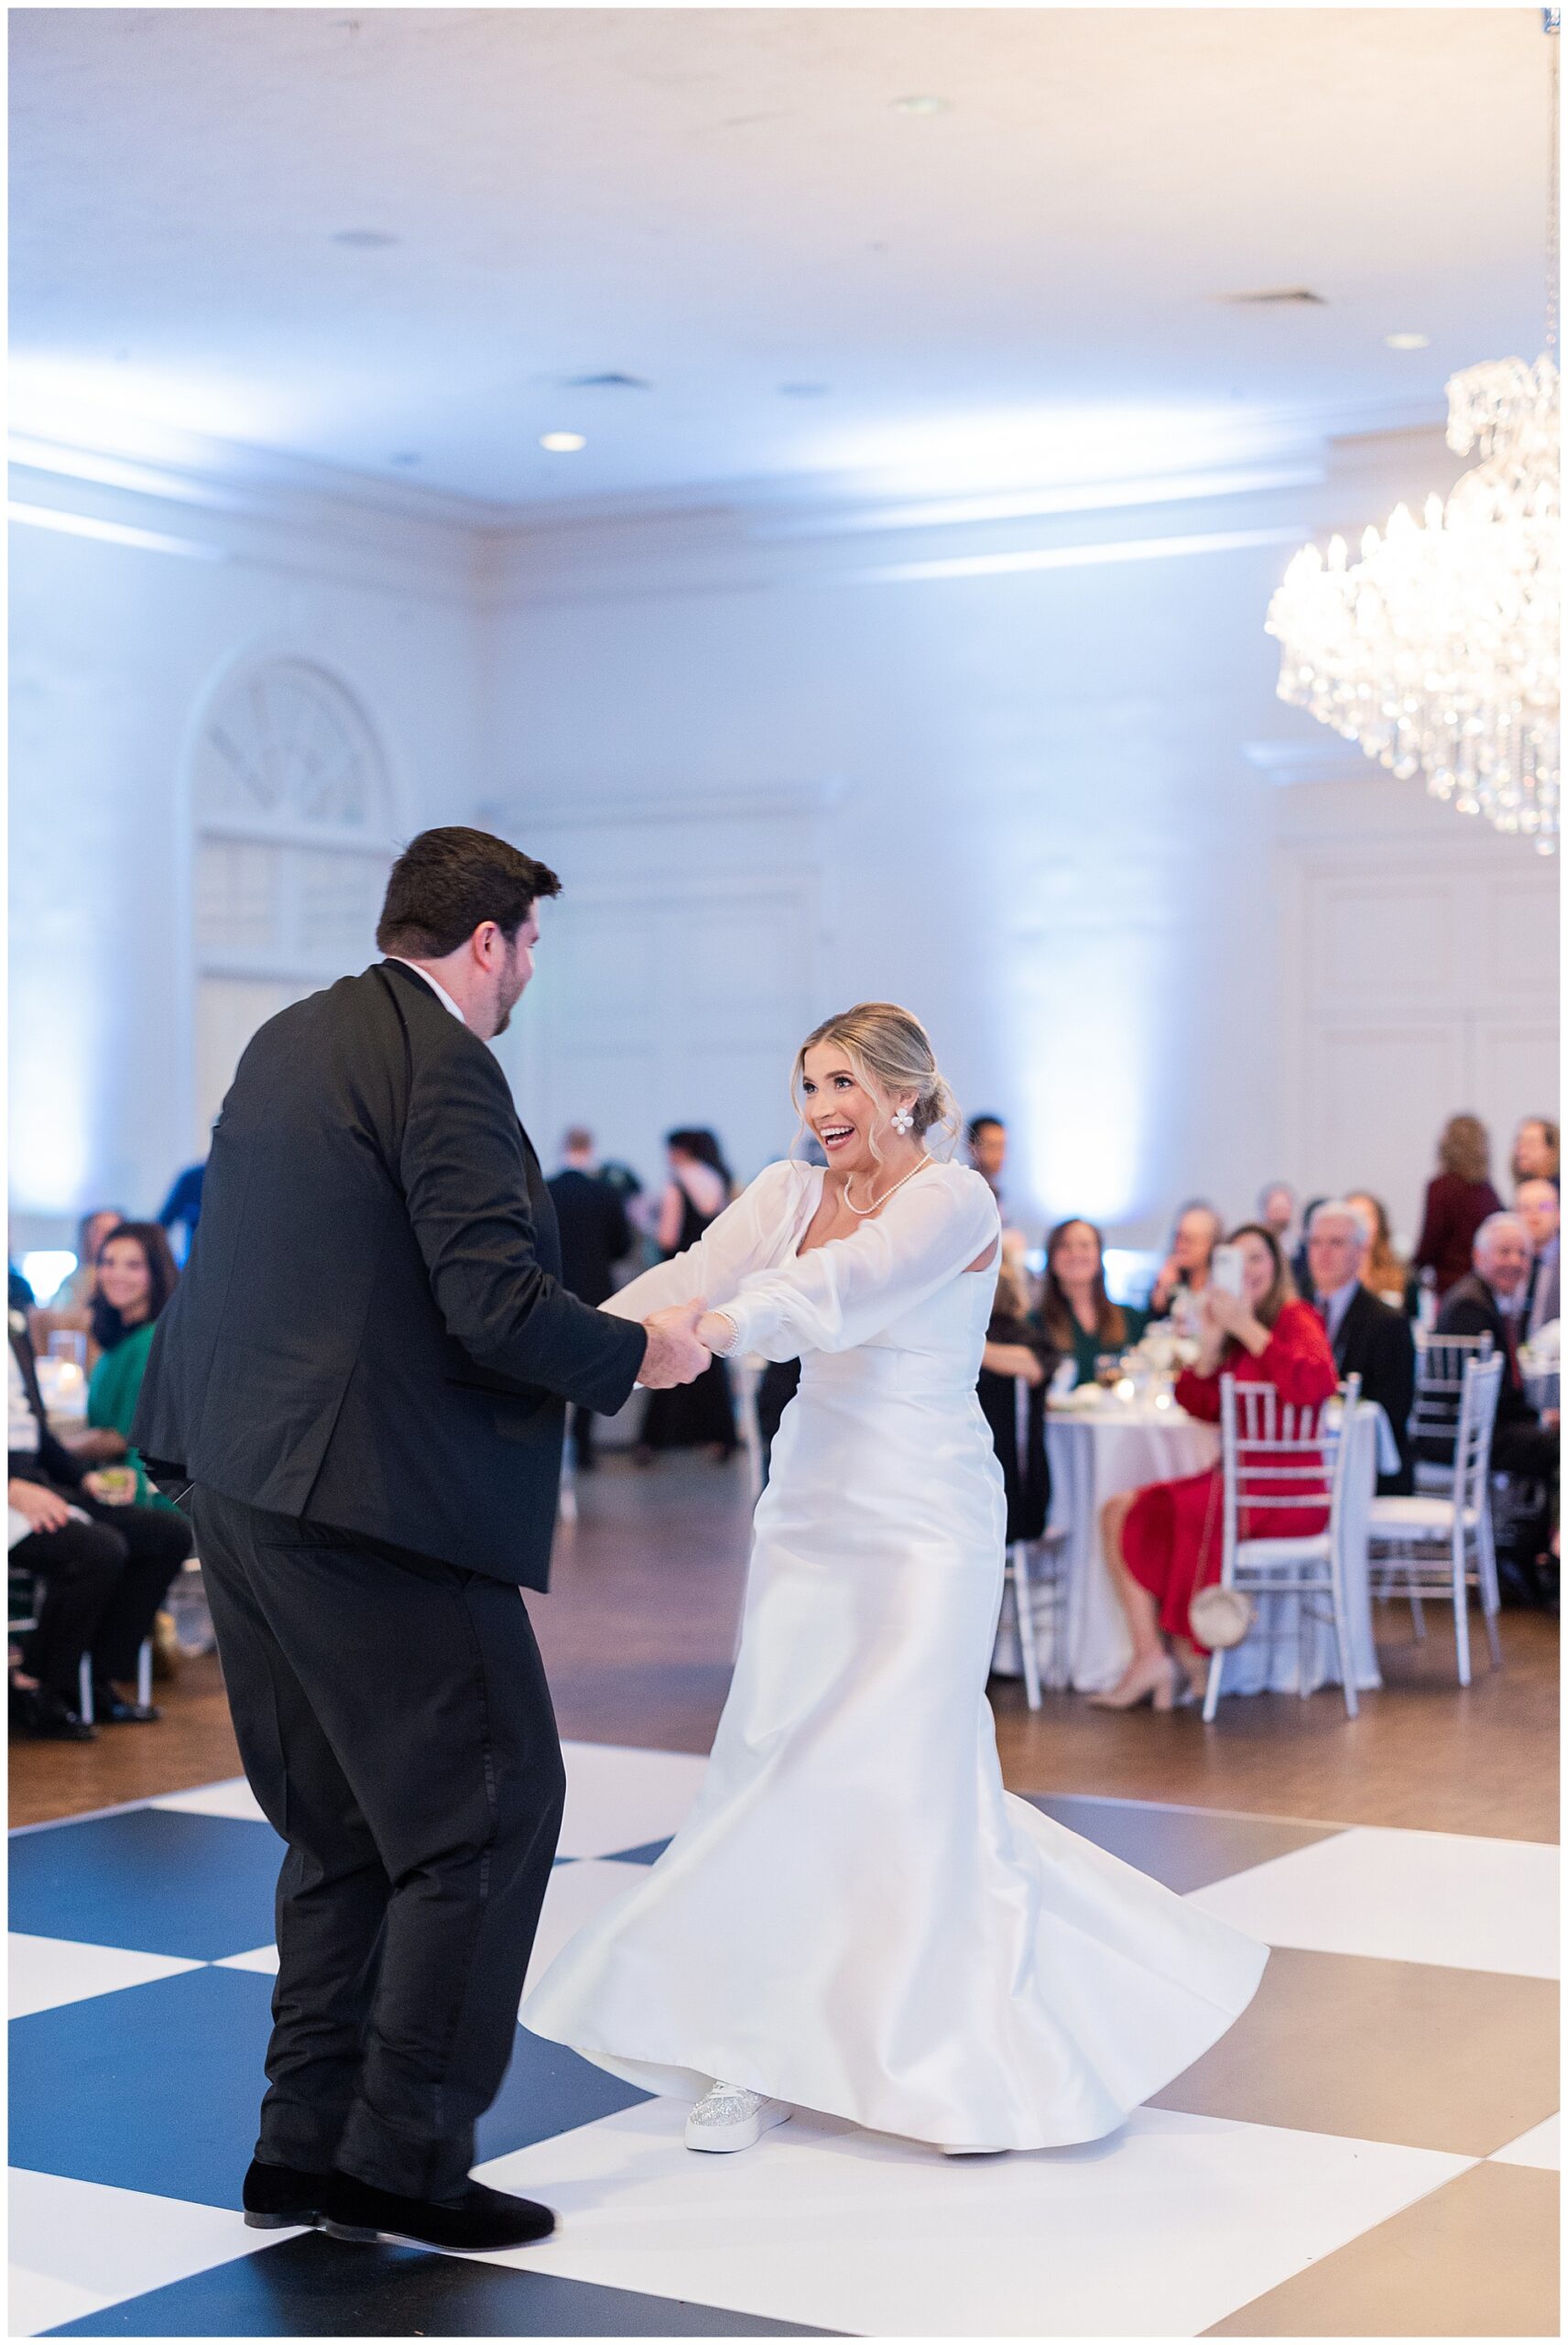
{"x":1491,"y":1300}
{"x":362,"y":1379}
{"x":1369,"y":1340}
{"x":594,"y":1235}
{"x":1539,"y":1208}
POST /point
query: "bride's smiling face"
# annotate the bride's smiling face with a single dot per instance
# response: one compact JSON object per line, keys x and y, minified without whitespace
{"x":843,"y":1113}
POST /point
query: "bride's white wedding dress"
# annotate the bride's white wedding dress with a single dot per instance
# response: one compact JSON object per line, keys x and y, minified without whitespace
{"x":855,"y":1917}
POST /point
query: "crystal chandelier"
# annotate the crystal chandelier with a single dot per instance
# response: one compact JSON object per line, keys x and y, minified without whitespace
{"x":1438,"y":651}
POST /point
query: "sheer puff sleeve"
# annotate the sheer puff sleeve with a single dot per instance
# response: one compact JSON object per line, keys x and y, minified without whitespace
{"x":842,"y":1294}
{"x":750,"y":1233}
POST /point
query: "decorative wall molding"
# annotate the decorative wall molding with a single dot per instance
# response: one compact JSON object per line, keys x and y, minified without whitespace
{"x":183,"y":494}
{"x":556,"y":806}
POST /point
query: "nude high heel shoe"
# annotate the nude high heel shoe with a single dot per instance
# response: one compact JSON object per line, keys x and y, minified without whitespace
{"x":1155,"y":1682}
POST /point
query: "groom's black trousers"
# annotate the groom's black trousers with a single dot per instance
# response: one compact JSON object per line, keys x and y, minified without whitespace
{"x":395,"y":1727}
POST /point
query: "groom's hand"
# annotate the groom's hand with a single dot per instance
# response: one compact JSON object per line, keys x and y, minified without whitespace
{"x":673,"y":1355}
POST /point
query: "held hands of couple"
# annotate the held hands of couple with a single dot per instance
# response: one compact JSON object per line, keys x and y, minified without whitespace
{"x":681,"y":1340}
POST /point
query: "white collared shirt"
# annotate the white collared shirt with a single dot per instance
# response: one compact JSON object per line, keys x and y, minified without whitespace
{"x":434,"y":984}
{"x":1335,"y":1307}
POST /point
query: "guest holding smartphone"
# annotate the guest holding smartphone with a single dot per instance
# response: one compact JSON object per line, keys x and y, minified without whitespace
{"x":1163,"y":1543}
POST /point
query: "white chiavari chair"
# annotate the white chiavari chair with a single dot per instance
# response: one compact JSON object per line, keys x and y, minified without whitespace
{"x":1437,"y":1543}
{"x":1276,"y":1455}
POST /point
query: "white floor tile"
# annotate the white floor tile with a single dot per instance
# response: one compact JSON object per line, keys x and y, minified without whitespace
{"x":110,"y":2244}
{"x":234,"y":1797}
{"x":260,"y":1957}
{"x":46,"y":1972}
{"x":1540,"y":2146}
{"x":622,"y":1799}
{"x":1159,"y":2231}
{"x":37,"y":2303}
{"x":577,"y":1894}
{"x":1442,"y":1897}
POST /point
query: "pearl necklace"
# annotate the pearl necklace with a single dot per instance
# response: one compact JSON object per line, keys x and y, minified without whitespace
{"x":877,"y":1202}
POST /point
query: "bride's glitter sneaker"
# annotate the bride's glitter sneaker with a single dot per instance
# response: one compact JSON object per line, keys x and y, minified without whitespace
{"x":729,"y":2117}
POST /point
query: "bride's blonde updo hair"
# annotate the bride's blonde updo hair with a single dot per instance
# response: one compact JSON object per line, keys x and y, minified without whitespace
{"x":889,"y":1051}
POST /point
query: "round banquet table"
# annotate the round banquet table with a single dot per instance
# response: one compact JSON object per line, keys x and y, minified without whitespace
{"x":1099,"y":1450}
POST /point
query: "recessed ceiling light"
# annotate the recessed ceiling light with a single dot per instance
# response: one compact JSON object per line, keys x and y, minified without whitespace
{"x":923,"y":105}
{"x":364,"y":240}
{"x":1276,"y":297}
{"x":613,"y":381}
{"x":562,"y":443}
{"x":802,"y":390}
{"x":1406,"y":341}
{"x":408,"y":456}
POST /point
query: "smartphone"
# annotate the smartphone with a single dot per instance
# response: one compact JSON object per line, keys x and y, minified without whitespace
{"x":1225,"y":1268}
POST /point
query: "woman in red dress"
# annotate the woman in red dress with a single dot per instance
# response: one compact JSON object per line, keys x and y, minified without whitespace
{"x":1163,"y":1543}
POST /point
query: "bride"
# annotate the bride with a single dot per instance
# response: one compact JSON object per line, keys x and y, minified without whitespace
{"x":855,"y":1918}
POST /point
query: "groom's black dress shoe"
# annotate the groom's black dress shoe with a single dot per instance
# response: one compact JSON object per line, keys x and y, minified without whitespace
{"x":281,"y":2197}
{"x":479,"y":2220}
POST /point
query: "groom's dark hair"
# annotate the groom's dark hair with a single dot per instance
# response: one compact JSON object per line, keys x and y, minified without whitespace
{"x":447,"y":883}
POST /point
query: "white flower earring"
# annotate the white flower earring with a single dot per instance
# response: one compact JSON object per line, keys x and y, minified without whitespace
{"x":903,"y":1121}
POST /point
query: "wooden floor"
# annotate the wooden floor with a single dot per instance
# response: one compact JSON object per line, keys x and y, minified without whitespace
{"x":638,"y":1635}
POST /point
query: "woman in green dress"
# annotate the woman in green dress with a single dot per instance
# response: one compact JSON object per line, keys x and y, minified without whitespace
{"x":1078,"y":1314}
{"x":136,"y":1278}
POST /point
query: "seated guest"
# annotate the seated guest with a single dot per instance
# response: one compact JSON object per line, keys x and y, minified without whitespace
{"x":76,"y":1295}
{"x":1277,"y":1211}
{"x":1077,"y":1314}
{"x":1539,"y":1208}
{"x":105,"y":1566}
{"x":1387,"y":1273}
{"x":1019,"y":1352}
{"x":1491,"y":1300}
{"x":136,"y":1278}
{"x":594,"y":1235}
{"x":1301,"y":1269}
{"x":1537,"y":1151}
{"x":1185,"y":1272}
{"x":1368,"y":1338}
{"x":1458,"y":1200}
{"x":1164,"y":1542}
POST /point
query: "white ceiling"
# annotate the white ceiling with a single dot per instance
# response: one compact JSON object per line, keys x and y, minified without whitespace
{"x":1019,"y":289}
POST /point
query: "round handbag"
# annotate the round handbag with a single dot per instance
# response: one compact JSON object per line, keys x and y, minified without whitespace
{"x":1221,"y":1617}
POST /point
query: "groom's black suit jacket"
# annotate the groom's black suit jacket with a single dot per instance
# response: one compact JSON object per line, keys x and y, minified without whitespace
{"x":371,"y":1332}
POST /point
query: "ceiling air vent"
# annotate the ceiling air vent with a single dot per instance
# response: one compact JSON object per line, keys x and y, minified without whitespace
{"x":1277,"y":297}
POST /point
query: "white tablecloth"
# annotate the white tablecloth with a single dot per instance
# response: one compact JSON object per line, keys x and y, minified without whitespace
{"x":64,"y":1388}
{"x":1120,"y":1446}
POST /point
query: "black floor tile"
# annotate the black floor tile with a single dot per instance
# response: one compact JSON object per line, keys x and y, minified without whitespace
{"x":158,"y":2087}
{"x":649,"y":1854}
{"x":312,"y":2286}
{"x":1183,"y":1847}
{"x":153,"y":1880}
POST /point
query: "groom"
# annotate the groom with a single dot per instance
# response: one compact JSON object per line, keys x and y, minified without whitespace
{"x":362,"y":1376}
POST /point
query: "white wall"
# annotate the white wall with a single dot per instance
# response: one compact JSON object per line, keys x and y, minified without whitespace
{"x":1043,"y":805}
{"x":1043,"y":831}
{"x":115,"y":649}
